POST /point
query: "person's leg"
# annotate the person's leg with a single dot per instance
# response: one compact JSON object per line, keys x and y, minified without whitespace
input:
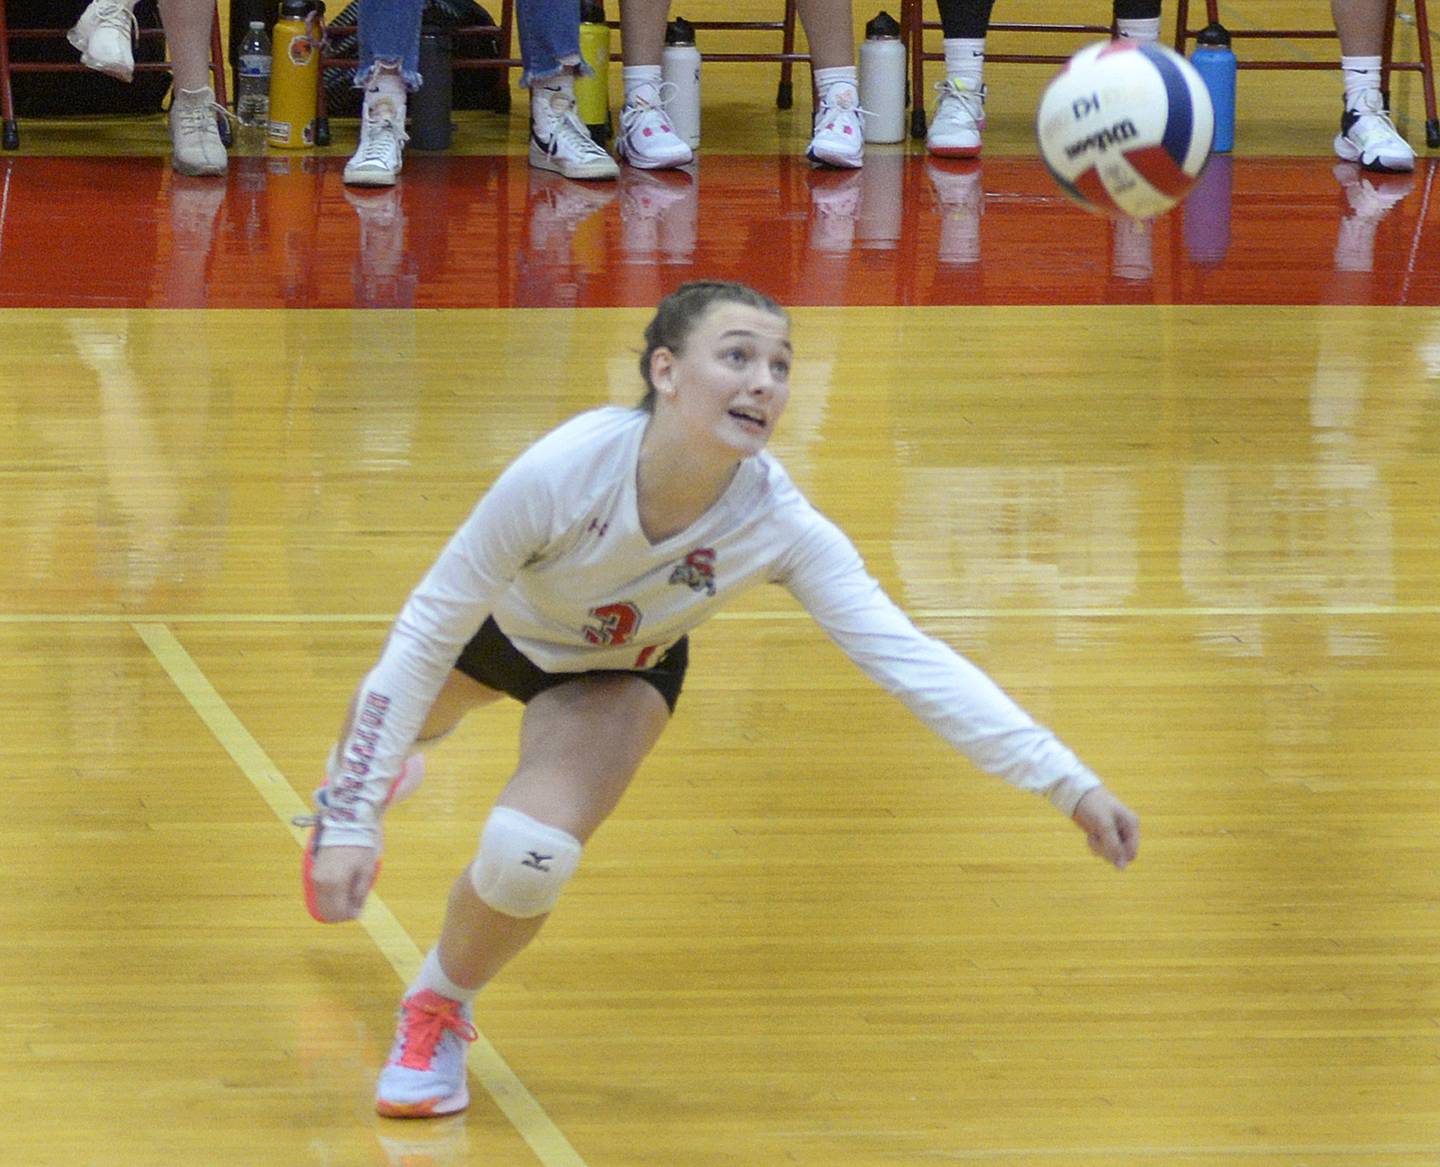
{"x":550,"y":62}
{"x":388,"y":70}
{"x":194,"y":133}
{"x":839,"y":138}
{"x":580,"y":745}
{"x":647,"y":139}
{"x":1138,"y":20}
{"x":1367,"y":135}
{"x":955,"y":130}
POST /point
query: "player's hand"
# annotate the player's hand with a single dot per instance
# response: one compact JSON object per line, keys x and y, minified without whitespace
{"x":1111,"y":827}
{"x":340,"y":878}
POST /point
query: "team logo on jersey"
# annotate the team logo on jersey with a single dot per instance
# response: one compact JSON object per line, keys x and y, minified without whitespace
{"x":697,"y":572}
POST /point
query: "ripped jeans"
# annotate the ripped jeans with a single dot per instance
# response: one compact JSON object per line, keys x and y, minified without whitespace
{"x":549,"y":38}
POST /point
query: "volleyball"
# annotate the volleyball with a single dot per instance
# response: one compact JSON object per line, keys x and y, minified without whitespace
{"x":1126,"y":128}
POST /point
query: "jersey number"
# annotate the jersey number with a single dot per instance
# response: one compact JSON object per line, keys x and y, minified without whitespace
{"x":614,"y":624}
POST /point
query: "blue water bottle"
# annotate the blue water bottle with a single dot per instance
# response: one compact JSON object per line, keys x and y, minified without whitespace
{"x":1214,"y":60}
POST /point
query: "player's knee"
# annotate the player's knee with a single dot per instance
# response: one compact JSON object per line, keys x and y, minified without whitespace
{"x":523,"y":865}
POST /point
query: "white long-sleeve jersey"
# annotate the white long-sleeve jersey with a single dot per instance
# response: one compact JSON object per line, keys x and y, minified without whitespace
{"x":555,"y":552}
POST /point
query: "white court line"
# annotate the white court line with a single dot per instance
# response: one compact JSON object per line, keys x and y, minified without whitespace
{"x":1243,"y":610}
{"x":499,"y":1080}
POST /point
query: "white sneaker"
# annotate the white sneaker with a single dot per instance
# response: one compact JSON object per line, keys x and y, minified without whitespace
{"x":959,"y":119}
{"x":560,"y":142}
{"x":196,"y":147}
{"x":1369,"y":137}
{"x":425,"y":1073}
{"x":104,"y":34}
{"x":381,"y":152}
{"x":839,"y":139}
{"x":647,"y":139}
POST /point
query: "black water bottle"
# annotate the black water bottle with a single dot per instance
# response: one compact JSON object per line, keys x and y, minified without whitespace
{"x":430,"y":105}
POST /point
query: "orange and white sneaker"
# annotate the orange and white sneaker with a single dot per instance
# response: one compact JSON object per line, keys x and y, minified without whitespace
{"x":424,"y":1076}
{"x":410,"y":776}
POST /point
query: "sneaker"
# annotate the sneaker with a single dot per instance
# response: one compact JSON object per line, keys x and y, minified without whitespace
{"x":1369,"y":137}
{"x":839,"y":139}
{"x":959,"y":119}
{"x":425,"y":1073}
{"x":196,"y":148}
{"x":381,"y":153}
{"x":104,"y":34}
{"x":647,"y":139}
{"x":560,"y":142}
{"x":410,"y":776}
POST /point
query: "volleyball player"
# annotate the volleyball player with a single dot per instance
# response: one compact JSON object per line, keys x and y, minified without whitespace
{"x":571,"y":587}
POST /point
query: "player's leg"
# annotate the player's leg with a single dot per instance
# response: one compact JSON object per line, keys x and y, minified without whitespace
{"x":581,"y":743}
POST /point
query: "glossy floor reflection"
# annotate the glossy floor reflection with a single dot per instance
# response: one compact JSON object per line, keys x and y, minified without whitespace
{"x":906,"y":230}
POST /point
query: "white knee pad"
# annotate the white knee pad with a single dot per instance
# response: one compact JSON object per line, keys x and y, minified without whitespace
{"x":523,"y":865}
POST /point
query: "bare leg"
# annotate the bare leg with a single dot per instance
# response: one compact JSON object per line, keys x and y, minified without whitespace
{"x":829,"y":27}
{"x":642,"y":30}
{"x":580,"y":744}
{"x":1360,"y":25}
{"x":187,"y":30}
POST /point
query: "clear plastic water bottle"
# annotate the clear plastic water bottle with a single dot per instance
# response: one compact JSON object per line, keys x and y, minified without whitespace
{"x":252,"y":83}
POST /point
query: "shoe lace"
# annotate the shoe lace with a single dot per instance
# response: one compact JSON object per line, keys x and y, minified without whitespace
{"x":379,"y":137}
{"x":198,"y":117}
{"x":570,"y":131}
{"x":116,"y":16}
{"x":972,"y":101}
{"x":641,"y":109}
{"x":426,"y":1022}
{"x":829,"y":106}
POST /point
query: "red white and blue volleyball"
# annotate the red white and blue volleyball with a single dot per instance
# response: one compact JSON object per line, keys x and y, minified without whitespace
{"x":1126,"y":128}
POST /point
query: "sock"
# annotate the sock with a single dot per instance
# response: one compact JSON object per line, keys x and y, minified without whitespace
{"x":642,"y":77}
{"x":386,"y":82}
{"x":834,"y":80}
{"x":966,"y":59}
{"x":1145,"y":31}
{"x":432,"y":977}
{"x":1361,"y":75}
{"x":548,"y":100}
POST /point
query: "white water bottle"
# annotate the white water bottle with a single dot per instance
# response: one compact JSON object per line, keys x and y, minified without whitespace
{"x":882,"y":80}
{"x":680,"y":67}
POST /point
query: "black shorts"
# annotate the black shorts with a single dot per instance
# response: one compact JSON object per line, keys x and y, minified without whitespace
{"x":492,"y":660}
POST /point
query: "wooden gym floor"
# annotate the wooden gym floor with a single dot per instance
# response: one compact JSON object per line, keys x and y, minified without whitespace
{"x":1174,"y":488}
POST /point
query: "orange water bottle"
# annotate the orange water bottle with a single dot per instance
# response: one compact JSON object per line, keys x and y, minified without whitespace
{"x":294,"y":75}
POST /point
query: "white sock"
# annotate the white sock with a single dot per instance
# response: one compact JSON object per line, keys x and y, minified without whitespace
{"x":386,"y":81}
{"x":642,"y":77}
{"x":432,"y":977}
{"x":542,"y":93}
{"x":1361,"y":74}
{"x":965,"y":59}
{"x":1145,"y":30}
{"x":827,"y":81}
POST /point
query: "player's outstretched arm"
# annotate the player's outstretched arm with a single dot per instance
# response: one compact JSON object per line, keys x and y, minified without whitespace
{"x":1112,"y":828}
